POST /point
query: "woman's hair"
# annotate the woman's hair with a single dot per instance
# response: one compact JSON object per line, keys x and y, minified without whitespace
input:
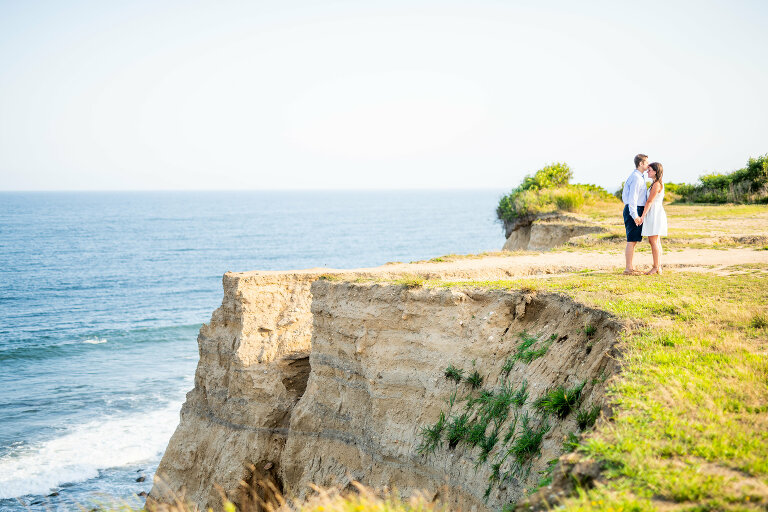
{"x":659,"y":169}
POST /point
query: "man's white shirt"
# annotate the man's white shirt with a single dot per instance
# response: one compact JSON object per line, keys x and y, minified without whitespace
{"x":634,"y":193}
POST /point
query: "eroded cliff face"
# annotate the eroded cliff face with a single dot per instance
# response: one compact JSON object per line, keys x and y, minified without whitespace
{"x":311,"y":381}
{"x":543,"y":232}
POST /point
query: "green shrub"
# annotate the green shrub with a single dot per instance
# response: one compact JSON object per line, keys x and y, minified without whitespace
{"x":548,"y":190}
{"x":553,"y":175}
{"x":746,"y":185}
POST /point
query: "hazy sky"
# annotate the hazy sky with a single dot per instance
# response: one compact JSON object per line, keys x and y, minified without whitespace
{"x":374,"y":94}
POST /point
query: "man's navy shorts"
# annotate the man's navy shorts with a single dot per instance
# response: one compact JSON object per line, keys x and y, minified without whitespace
{"x":634,"y":232}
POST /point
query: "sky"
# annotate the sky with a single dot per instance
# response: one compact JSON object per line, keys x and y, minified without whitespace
{"x":148,"y":95}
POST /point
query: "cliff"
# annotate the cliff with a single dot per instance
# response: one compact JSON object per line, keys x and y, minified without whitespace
{"x":309,"y":379}
{"x":543,"y":232}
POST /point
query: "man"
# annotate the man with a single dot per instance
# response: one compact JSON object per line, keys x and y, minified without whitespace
{"x":634,"y":195}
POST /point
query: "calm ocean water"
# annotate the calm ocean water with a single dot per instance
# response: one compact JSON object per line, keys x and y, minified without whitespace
{"x":102,"y":295}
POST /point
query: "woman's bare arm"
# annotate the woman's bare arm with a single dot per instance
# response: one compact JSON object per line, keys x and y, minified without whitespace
{"x":651,"y":196}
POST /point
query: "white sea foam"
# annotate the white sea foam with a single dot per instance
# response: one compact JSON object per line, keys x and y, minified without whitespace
{"x":95,"y":341}
{"x":83,"y":450}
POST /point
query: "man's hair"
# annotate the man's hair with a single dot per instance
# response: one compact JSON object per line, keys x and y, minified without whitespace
{"x":639,"y":158}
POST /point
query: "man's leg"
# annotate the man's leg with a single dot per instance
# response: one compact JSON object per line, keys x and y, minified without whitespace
{"x":629,"y":254}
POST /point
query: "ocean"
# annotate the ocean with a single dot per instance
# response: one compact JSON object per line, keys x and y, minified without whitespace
{"x":102,"y":295}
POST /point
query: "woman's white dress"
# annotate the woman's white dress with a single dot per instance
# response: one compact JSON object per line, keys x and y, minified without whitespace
{"x":655,"y":222}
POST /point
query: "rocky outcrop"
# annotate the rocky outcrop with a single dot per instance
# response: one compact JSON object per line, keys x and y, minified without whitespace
{"x":305,"y":380}
{"x":543,"y":232}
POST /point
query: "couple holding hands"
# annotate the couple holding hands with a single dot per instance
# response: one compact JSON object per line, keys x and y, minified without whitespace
{"x":643,"y":212}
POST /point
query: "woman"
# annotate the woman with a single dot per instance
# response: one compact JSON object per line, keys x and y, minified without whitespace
{"x":654,"y":218}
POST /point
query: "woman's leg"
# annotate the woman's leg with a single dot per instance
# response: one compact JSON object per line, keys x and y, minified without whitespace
{"x":653,"y":240}
{"x":657,"y":264}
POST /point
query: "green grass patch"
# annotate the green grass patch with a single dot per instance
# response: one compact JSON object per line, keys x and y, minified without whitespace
{"x":585,"y":418}
{"x":529,"y":349}
{"x":431,"y":437}
{"x":560,"y":401}
{"x":457,"y":430}
{"x":526,"y":442}
{"x":475,"y":380}
{"x":454,"y":374}
{"x":759,"y":321}
{"x":690,"y":420}
{"x":411,"y":282}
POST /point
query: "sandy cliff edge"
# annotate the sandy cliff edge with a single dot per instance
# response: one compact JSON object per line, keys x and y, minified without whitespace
{"x":306,"y":380}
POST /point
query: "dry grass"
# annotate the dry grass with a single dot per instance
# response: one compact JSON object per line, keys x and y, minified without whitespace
{"x":267,"y":498}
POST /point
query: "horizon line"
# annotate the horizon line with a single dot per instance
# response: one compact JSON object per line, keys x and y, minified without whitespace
{"x":392,"y":189}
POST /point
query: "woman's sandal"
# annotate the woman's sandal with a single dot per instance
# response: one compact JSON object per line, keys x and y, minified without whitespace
{"x":653,"y":270}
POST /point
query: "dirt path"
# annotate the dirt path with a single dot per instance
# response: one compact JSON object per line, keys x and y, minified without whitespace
{"x":547,"y":263}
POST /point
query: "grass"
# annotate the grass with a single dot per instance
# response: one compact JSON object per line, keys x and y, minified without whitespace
{"x":454,"y":374}
{"x":521,"y":395}
{"x":690,"y":421}
{"x":759,"y":321}
{"x":475,"y":380}
{"x":410,"y":282}
{"x":360,"y":499}
{"x":527,"y":441}
{"x":585,"y":418}
{"x":457,"y":430}
{"x":560,"y":401}
{"x":476,"y":433}
{"x":431,"y":436}
{"x":530,"y":349}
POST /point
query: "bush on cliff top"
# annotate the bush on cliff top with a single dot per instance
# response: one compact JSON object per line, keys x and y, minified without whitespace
{"x":746,"y":185}
{"x":548,"y":190}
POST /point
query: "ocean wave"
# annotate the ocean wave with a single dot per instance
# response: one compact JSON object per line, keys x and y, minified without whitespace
{"x":84,"y":449}
{"x":95,"y":341}
{"x":39,"y":349}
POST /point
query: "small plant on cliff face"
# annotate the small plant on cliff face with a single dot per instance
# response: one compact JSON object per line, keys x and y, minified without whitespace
{"x":457,"y":430}
{"x":586,"y":418}
{"x":521,"y":395}
{"x":590,"y":330}
{"x":486,"y":445}
{"x":570,"y":443}
{"x":546,"y":478}
{"x":475,"y":380}
{"x":476,"y":433}
{"x":496,"y":406}
{"x":431,"y":436}
{"x":508,"y":365}
{"x":530,"y":349}
{"x":454,"y":374}
{"x":560,"y":401}
{"x":512,"y":429}
{"x":528,"y":441}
